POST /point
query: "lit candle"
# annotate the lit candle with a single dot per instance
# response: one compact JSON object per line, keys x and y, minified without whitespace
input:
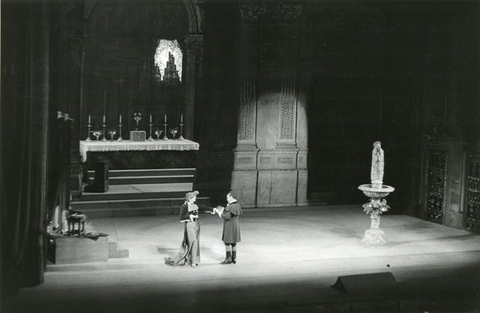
{"x":120,"y":119}
{"x":165,"y":118}
{"x":150,"y":118}
{"x":89,"y":119}
{"x":103,"y":118}
{"x":181,"y":118}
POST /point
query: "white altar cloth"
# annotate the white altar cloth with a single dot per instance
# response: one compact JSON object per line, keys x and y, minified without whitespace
{"x":127,"y":145}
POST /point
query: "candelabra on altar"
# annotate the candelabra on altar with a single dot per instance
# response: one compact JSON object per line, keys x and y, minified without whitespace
{"x":120,"y":128}
{"x":181,"y":127}
{"x":150,"y":138}
{"x":120,"y":132}
{"x":181,"y":132}
{"x":104,"y":132}
{"x":89,"y":126}
{"x":165,"y":131}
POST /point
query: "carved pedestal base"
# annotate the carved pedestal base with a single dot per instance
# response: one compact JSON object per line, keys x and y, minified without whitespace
{"x":374,"y":236}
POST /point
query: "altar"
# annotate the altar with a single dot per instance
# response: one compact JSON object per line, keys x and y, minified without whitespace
{"x":139,"y":154}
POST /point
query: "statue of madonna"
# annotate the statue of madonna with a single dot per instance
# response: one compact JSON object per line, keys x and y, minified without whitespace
{"x":376,"y":174}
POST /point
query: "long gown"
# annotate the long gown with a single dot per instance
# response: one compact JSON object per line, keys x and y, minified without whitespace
{"x":189,"y":252}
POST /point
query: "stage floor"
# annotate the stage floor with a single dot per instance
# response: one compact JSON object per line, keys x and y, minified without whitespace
{"x":288,"y":260}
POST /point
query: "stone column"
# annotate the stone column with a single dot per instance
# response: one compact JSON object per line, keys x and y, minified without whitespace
{"x":282,"y":177}
{"x":244,"y":175}
{"x":289,"y":15}
{"x":193,"y":70}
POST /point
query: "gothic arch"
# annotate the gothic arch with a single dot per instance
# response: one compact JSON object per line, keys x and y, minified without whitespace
{"x":195,"y":16}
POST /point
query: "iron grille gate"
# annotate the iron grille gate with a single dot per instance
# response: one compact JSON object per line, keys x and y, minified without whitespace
{"x":473,"y":195}
{"x":436,"y":184}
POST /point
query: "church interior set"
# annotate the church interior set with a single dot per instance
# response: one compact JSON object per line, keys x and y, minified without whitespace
{"x":117,"y":108}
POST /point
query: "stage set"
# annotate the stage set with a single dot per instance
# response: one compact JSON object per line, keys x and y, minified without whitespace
{"x":297,"y":259}
{"x":114,"y":110}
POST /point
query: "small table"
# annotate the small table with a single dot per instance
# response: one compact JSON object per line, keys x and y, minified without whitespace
{"x":78,"y":220}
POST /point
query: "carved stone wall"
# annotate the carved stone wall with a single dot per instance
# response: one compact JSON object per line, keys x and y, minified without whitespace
{"x":248,"y":71}
{"x":244,"y":175}
{"x":269,"y":169}
{"x":289,"y":17}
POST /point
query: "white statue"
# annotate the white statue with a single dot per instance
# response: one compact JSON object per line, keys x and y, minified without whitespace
{"x":376,"y":174}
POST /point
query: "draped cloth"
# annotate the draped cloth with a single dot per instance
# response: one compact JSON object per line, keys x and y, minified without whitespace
{"x":24,"y":120}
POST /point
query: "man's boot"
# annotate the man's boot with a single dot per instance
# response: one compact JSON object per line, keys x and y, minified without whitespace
{"x":234,"y":257}
{"x":228,"y":258}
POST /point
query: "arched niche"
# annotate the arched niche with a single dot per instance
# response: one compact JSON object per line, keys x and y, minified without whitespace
{"x":119,"y":71}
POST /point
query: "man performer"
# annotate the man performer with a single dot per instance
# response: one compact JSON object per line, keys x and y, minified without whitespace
{"x":231,"y":227}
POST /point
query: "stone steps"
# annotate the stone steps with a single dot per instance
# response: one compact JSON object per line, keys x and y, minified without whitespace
{"x":139,"y":192}
{"x":149,"y":176}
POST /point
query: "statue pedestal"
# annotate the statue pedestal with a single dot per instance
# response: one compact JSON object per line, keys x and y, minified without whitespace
{"x":375,"y":237}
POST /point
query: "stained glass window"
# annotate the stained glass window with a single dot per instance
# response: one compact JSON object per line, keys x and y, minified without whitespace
{"x":168,"y":61}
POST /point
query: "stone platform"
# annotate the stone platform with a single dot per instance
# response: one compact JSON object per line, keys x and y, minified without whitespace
{"x":288,"y":261}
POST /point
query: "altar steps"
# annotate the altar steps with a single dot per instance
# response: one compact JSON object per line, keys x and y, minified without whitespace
{"x":140,"y":192}
{"x":150,"y":176}
{"x":134,"y":193}
{"x":135,"y":207}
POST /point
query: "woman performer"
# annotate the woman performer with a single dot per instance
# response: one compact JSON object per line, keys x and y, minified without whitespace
{"x":190,"y":249}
